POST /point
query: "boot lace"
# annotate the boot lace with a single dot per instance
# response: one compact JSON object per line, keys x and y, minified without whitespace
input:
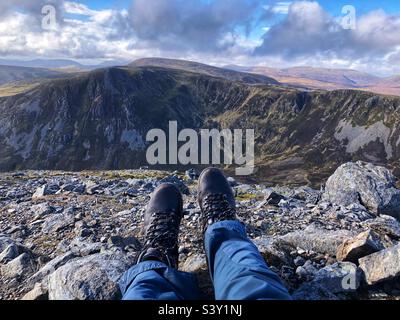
{"x":216,"y":207}
{"x":162,"y":236}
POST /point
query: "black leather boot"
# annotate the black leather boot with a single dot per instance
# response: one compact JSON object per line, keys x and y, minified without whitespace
{"x":161,"y":225}
{"x":215,"y":197}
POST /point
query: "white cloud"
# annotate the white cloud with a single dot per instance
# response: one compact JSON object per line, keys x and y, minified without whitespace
{"x":308,"y":35}
{"x":78,"y":8}
{"x":281,"y":7}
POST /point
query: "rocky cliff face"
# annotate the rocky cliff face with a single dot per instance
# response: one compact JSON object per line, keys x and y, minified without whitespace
{"x":70,"y":235}
{"x":99,"y":121}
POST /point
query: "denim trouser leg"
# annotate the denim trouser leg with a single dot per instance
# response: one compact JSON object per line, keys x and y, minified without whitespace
{"x":153,"y":280}
{"x":236,"y":267}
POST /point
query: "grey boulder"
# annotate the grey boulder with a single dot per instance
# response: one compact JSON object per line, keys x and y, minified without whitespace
{"x":372,"y":186}
{"x":17,"y":267}
{"x":381,"y":266}
{"x":90,"y":278}
{"x":317,"y":239}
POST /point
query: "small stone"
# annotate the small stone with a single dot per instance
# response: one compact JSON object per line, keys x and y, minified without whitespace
{"x":91,"y":187}
{"x":41,"y":210}
{"x":92,"y":223}
{"x":183,"y":250}
{"x":299,"y":261}
{"x":301,"y":272}
{"x":232,"y":181}
{"x":121,"y":242}
{"x":45,"y":190}
{"x":192,"y":174}
{"x":37,"y":293}
{"x":57,"y":222}
{"x":274,"y":198}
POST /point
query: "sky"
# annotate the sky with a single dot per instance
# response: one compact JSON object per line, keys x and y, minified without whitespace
{"x":356,"y":34}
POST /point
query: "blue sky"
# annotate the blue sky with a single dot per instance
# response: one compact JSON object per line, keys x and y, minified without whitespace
{"x":275,"y":33}
{"x":333,"y":6}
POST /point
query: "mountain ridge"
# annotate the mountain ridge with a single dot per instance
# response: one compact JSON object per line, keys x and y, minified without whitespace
{"x":327,"y":78}
{"x":99,"y":120}
{"x":205,"y":69}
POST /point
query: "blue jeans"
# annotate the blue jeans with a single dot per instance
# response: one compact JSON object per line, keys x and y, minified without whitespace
{"x":237,"y":270}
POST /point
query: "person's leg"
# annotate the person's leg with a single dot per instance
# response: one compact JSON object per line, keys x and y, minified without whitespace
{"x":236,"y":267}
{"x":154,"y":280}
{"x":155,"y":276}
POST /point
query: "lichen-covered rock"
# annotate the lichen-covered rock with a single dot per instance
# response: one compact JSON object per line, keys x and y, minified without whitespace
{"x":384,"y":225}
{"x":363,"y":244}
{"x":381,"y":266}
{"x":330,"y":283}
{"x":58,"y":221}
{"x":90,"y":278}
{"x":317,"y":239}
{"x":9,"y":253}
{"x":372,"y":186}
{"x":17,"y":267}
{"x":50,"y":267}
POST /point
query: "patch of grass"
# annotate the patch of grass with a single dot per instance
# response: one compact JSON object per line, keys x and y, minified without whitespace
{"x":249,"y":196}
{"x":13,"y":89}
{"x":131,"y":174}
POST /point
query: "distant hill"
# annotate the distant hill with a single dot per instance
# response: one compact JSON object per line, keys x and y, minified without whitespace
{"x":59,"y":64}
{"x":12,"y":73}
{"x":191,"y":66}
{"x":327,"y":79}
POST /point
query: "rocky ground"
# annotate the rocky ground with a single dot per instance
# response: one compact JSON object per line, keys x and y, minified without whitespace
{"x":70,"y":235}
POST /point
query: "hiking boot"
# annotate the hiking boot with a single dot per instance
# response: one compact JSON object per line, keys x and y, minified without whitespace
{"x":215,"y":197}
{"x":161,"y":226}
